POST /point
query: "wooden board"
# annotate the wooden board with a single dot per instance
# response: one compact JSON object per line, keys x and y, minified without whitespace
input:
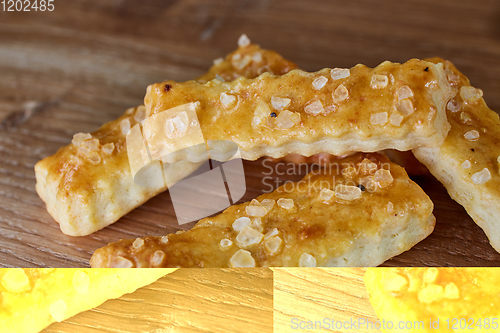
{"x":322,"y":299}
{"x":188,"y":300}
{"x":73,"y":69}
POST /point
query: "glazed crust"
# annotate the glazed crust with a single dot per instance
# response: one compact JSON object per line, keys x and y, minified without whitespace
{"x":381,"y":223}
{"x":84,"y":197}
{"x":446,"y":163}
{"x":32,"y":299}
{"x":424,"y":294}
{"x":342,"y":127}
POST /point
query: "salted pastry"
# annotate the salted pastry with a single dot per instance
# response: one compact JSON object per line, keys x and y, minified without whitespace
{"x":461,"y":299}
{"x":336,"y":111}
{"x":88,"y":184}
{"x":359,"y":211}
{"x":467,"y":163}
{"x":33,"y":298}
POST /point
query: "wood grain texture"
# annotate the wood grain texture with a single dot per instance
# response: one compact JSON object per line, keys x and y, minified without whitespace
{"x":187,"y":300}
{"x":323,"y":295}
{"x":73,"y":69}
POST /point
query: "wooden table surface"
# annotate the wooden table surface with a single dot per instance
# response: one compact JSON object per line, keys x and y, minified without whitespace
{"x":77,"y":67}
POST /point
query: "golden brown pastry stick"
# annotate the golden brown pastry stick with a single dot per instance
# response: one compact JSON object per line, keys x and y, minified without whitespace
{"x":400,"y":106}
{"x":34,"y":298}
{"x":352,"y":213}
{"x":88,"y":185}
{"x":467,"y":163}
{"x":435,"y":299}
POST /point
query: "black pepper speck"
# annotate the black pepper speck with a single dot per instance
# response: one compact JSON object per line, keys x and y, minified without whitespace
{"x":273,"y":114}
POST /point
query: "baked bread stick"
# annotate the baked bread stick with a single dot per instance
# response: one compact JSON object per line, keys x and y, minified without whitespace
{"x":336,"y":111}
{"x":360,"y":211}
{"x":467,"y":163}
{"x":88,"y":184}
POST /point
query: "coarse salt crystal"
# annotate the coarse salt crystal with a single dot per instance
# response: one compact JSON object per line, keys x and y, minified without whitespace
{"x":94,"y":157}
{"x":349,"y":172}
{"x":465,"y":117}
{"x":261,"y":113}
{"x":157,"y":258}
{"x":307,"y":260}
{"x":120,"y":262}
{"x":268,"y":204}
{"x":257,"y":224}
{"x":453,"y":105}
{"x":469,"y":93}
{"x":405,"y":107}
{"x":140,"y":114}
{"x":225,"y":244}
{"x":453,"y":78}
{"x":404,"y":92}
{"x":243,"y":41}
{"x":314,"y":108}
{"x":257,"y":57}
{"x":91,"y":144}
{"x":273,"y":245}
{"x":271,"y":233}
{"x":242,"y":258}
{"x":78,"y":138}
{"x":347,"y":192}
{"x":138,"y":243}
{"x":481,"y":177}
{"x":326,"y":194}
{"x":396,"y":119}
{"x":218,"y":61}
{"x":255,"y":211}
{"x":226,"y":99}
{"x":340,"y":94}
{"x":340,"y":73}
{"x":383,"y":177}
{"x":287,"y":119}
{"x":279,"y":103}
{"x":367,"y":167}
{"x":319,"y":82}
{"x":241,"y":223}
{"x":58,"y":310}
{"x":466,"y":164}
{"x":177,"y":126}
{"x":164,"y":239}
{"x":15,"y":280}
{"x":108,"y":148}
{"x":380,"y":118}
{"x":379,"y":81}
{"x":125,"y":126}
{"x":285,"y":203}
{"x":472,"y":135}
{"x":248,"y":236}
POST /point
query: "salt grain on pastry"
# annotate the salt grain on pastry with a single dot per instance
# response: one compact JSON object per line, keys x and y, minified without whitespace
{"x":314,"y":108}
{"x":379,"y":118}
{"x":279,"y":103}
{"x":481,"y":177}
{"x":319,"y":82}
{"x":307,"y":260}
{"x":340,"y":73}
{"x":379,"y":81}
{"x":243,"y":41}
{"x":472,"y":135}
{"x":347,"y":192}
{"x":340,"y":94}
{"x":242,"y":258}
